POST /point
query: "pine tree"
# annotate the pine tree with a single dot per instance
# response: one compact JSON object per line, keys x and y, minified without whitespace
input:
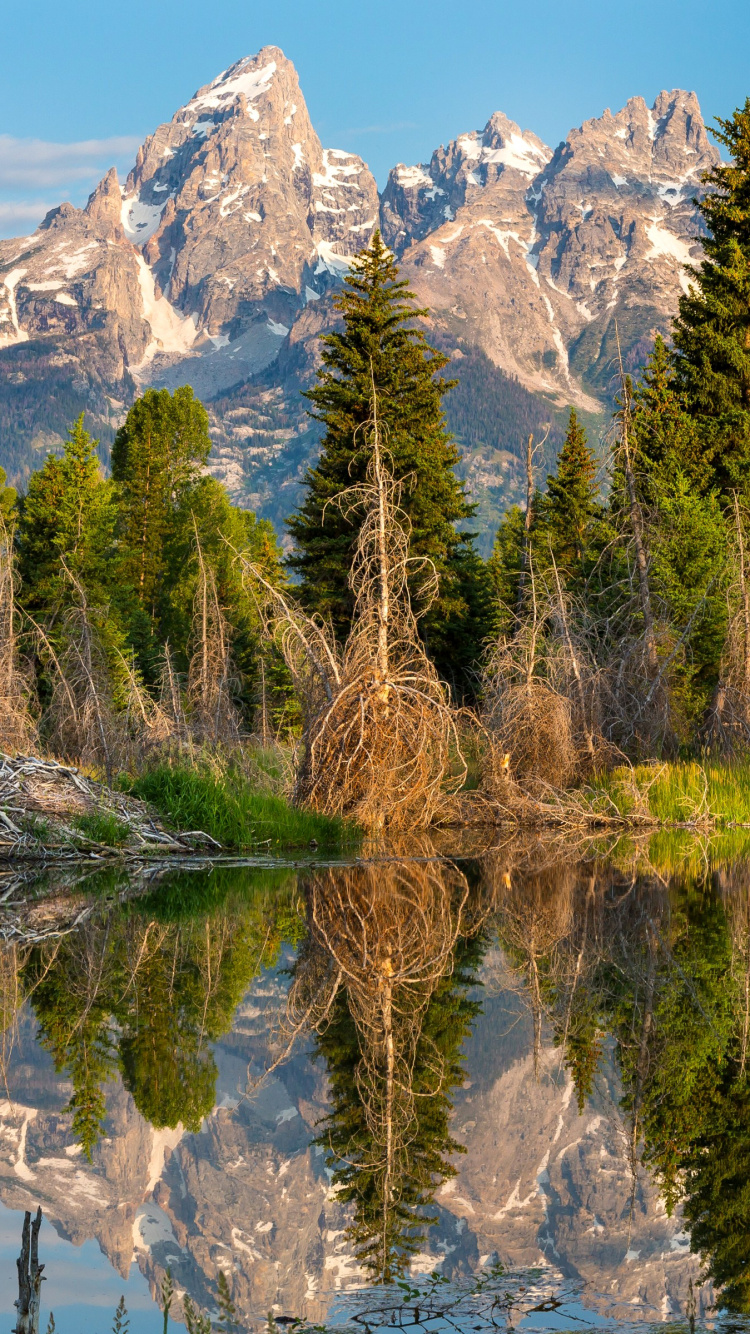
{"x":227,"y":1312}
{"x":712,"y":332}
{"x":8,"y":499}
{"x":505,"y":567}
{"x":382,"y":340}
{"x":717,"y":1197}
{"x":347,"y":1133}
{"x":67,"y":513}
{"x":166,"y":1297}
{"x":156,"y":459}
{"x":665,"y":436}
{"x":571,"y":502}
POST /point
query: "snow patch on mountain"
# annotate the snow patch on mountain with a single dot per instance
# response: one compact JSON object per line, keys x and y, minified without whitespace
{"x":10,"y":314}
{"x":234,"y":82}
{"x":413,"y":177}
{"x":664,"y":242}
{"x":518,"y":153}
{"x":139,"y":219}
{"x":329,"y":261}
{"x":171,"y":331}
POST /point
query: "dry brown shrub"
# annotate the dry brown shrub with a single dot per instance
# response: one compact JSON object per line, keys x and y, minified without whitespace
{"x":17,"y":726}
{"x":100,"y":715}
{"x":380,"y":739}
{"x":541,"y":701}
{"x":210,"y":686}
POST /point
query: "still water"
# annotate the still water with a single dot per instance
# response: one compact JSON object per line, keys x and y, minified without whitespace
{"x":507,"y":1088}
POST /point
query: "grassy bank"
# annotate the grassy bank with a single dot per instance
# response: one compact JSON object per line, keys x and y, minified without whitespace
{"x":674,"y":794}
{"x":234,"y":812}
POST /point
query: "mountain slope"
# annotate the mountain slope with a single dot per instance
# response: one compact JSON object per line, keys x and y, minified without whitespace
{"x":232,"y":220}
{"x":215,"y":263}
{"x":538,"y":253}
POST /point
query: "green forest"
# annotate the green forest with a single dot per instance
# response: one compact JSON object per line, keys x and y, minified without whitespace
{"x":145,"y":615}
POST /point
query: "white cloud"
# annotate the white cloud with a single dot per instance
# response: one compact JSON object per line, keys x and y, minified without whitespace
{"x":37,"y":164}
{"x":19,"y":216}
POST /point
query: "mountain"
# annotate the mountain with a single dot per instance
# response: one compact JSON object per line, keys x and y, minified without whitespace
{"x":233,"y":219}
{"x":533,"y":255}
{"x":539,"y":1184}
{"x":215,"y":263}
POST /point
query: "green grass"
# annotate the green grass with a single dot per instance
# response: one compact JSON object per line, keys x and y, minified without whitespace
{"x":233,"y":812}
{"x":102,"y":827}
{"x":677,"y":793}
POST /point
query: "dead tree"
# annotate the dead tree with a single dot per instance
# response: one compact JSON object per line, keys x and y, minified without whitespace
{"x":636,"y":517}
{"x":17,"y":729}
{"x":210,"y":674}
{"x":529,"y":454}
{"x":380,"y":738}
{"x":29,"y":1277}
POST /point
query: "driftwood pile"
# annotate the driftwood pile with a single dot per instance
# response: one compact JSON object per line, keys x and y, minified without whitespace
{"x":42,"y":801}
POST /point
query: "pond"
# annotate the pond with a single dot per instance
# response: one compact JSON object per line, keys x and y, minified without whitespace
{"x":444,"y":1088}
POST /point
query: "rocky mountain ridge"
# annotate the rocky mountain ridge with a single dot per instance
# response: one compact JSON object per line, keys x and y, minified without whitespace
{"x":539,"y":1184}
{"x":214,"y":265}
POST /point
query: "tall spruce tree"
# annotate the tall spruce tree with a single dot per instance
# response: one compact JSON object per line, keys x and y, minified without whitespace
{"x":156,"y":458}
{"x":712,"y":332}
{"x":386,"y":1232}
{"x":66,"y":513}
{"x":381,"y":340}
{"x":665,"y":436}
{"x":571,"y":502}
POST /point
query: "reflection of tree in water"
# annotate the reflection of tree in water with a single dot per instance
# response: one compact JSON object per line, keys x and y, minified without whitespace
{"x":663,"y":968}
{"x":383,"y":979}
{"x":145,"y":990}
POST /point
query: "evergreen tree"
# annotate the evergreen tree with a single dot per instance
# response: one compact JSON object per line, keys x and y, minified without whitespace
{"x":227,"y":1311}
{"x":571,"y":502}
{"x":381,"y":340}
{"x":67,"y":514}
{"x":156,"y":460}
{"x":689,"y":545}
{"x":122,"y":1319}
{"x":505,"y":567}
{"x":347,"y":1136}
{"x":712,"y":332}
{"x":75,"y":1028}
{"x":717,"y":1194}
{"x":205,"y":515}
{"x":665,"y":436}
{"x":583,"y":1043}
{"x":8,"y":499}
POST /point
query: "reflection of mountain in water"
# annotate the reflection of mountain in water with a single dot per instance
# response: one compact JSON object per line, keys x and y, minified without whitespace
{"x":603,"y":1079}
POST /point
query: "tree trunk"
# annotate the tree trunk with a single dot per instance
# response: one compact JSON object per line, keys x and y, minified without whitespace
{"x":745,"y":594}
{"x":383,"y":595}
{"x":636,"y":523}
{"x":29,"y":1277}
{"x":574,"y":663}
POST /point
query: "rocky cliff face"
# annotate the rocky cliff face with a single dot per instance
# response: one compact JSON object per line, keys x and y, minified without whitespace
{"x":233,"y":219}
{"x":534,"y":255}
{"x":539,"y":1183}
{"x":214,"y":263}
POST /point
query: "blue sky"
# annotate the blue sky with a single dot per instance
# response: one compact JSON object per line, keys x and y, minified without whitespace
{"x":84,"y":82}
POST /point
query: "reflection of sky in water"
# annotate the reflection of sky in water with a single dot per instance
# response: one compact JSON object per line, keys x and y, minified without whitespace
{"x":81,"y":1286}
{"x":545,"y":1184}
